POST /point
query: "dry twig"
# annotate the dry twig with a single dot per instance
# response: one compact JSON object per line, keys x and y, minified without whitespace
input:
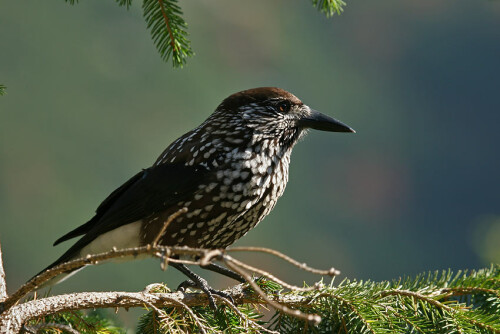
{"x":167,"y":223}
{"x":303,"y":266}
{"x":314,"y":318}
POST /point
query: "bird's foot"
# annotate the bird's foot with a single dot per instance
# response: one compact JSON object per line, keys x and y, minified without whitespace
{"x":202,"y":284}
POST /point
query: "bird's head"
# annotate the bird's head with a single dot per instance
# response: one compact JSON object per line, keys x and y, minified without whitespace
{"x":257,"y":118}
{"x":270,"y":112}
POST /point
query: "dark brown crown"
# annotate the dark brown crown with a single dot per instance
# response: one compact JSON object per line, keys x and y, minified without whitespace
{"x":257,"y":95}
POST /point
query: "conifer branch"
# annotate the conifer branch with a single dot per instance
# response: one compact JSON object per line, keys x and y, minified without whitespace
{"x":329,"y":7}
{"x":124,"y":3}
{"x":2,"y":90}
{"x":169,"y":30}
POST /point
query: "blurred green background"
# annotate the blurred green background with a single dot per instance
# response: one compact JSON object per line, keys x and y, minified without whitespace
{"x":90,"y":102}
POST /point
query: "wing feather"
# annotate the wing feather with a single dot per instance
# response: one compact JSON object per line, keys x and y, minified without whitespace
{"x":150,"y":191}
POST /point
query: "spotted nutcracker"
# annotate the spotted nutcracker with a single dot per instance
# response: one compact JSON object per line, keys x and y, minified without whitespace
{"x":228,"y":172}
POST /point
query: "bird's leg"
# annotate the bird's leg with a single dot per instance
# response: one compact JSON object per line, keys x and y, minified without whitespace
{"x":196,"y":281}
{"x":224,"y":271}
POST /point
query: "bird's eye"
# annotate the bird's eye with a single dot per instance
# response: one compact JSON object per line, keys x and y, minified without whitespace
{"x":284,"y":106}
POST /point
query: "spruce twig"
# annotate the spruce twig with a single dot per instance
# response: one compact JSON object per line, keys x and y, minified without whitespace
{"x":169,"y":29}
{"x":329,"y":7}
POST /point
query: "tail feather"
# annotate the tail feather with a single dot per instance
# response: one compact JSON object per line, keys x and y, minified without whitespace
{"x":61,"y":277}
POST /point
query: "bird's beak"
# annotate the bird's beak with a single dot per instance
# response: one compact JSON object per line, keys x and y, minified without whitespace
{"x":318,"y":121}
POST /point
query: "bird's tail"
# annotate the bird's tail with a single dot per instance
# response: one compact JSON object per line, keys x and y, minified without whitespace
{"x":59,"y":278}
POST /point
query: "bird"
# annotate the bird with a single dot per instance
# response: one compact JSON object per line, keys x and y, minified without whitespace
{"x":228,"y":173}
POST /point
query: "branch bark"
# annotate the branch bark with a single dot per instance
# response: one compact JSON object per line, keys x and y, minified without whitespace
{"x":3,"y":283}
{"x":12,"y":320}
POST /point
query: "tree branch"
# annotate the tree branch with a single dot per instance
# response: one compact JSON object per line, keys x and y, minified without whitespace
{"x":3,"y":283}
{"x":13,"y":319}
{"x":167,"y":24}
{"x":13,"y":316}
{"x":162,"y":252}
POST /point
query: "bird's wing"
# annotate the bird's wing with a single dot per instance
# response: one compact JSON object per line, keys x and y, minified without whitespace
{"x":149,"y":191}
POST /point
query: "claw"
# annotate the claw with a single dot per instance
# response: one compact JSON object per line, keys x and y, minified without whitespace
{"x":186,"y":284}
{"x":203,"y":286}
{"x":198,"y":282}
{"x":208,"y":290}
{"x":223,"y":295}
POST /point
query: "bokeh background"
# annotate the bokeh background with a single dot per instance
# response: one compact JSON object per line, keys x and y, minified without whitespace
{"x":90,"y":102}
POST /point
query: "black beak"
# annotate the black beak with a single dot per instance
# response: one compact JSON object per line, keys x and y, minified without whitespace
{"x":318,"y":121}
